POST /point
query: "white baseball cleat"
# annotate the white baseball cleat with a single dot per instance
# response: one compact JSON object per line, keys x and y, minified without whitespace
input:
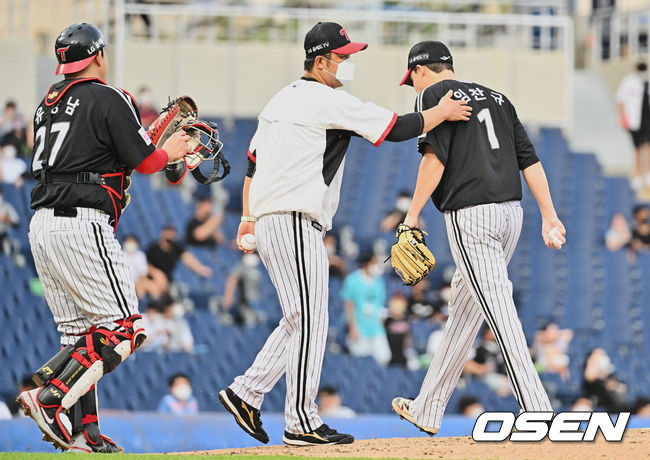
{"x":52,"y":421}
{"x":402,"y":407}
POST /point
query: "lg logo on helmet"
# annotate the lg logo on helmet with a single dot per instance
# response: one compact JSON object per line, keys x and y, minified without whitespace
{"x":535,"y":426}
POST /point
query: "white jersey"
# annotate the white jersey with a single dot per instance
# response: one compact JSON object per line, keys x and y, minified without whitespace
{"x":630,"y":94}
{"x":300,"y":145}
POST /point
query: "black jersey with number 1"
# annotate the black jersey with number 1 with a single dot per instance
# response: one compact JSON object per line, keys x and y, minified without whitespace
{"x":483,"y":156}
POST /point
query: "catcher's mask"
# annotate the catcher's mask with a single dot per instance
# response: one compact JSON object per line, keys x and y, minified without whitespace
{"x":205,"y":135}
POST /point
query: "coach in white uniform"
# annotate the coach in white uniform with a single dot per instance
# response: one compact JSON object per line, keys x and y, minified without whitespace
{"x":296,"y":160}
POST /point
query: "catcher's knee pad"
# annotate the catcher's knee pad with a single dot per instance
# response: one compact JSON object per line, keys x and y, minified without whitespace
{"x":73,"y":371}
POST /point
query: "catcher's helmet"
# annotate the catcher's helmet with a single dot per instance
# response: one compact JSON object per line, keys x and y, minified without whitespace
{"x":76,"y":47}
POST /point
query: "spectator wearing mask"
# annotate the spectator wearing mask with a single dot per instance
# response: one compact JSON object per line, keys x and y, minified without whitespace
{"x":486,"y":363}
{"x":166,"y":326}
{"x":8,"y":119}
{"x":634,"y":116}
{"x":601,"y":384}
{"x":8,"y":218}
{"x":397,"y":215}
{"x":470,"y":406}
{"x":551,"y":345}
{"x":398,"y":329}
{"x":25,"y":384}
{"x":149,"y":281}
{"x":582,"y":404}
{"x":148,"y":113}
{"x":641,"y":230}
{"x":364,"y":296}
{"x":338,"y":266}
{"x":245,"y":280}
{"x":167,"y":251}
{"x":179,"y":401}
{"x":618,"y":235}
{"x":331,"y":405}
{"x":204,"y":228}
{"x":11,"y":168}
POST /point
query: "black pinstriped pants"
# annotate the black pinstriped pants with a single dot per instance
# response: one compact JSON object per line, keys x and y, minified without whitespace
{"x":482,"y":240}
{"x":292,"y":251}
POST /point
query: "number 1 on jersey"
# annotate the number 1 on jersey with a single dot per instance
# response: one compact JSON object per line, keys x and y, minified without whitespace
{"x":485,"y":116}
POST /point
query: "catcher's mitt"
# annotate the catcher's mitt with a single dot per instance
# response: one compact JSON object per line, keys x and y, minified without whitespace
{"x":410,"y":257}
{"x":178,"y":112}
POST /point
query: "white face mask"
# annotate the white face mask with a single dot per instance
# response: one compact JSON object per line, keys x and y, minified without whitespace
{"x":403,"y":204}
{"x":250,"y":260}
{"x":130,"y":247}
{"x":182,"y":392}
{"x":9,"y":151}
{"x":376,"y":270}
{"x":344,"y":71}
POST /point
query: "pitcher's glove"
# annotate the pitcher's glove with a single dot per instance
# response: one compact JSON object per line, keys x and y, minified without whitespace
{"x":410,"y":257}
{"x":179,"y":112}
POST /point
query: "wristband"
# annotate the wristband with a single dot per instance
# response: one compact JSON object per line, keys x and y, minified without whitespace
{"x":248,"y":219}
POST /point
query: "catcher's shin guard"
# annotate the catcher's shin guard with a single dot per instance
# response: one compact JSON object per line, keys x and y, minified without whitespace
{"x":94,"y":355}
{"x":86,"y":435}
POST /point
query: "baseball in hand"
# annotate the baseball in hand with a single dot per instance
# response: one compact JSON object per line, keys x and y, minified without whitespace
{"x":249,"y":242}
{"x":556,"y":237}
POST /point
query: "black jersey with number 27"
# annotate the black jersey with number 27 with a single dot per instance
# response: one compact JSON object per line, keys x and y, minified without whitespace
{"x":85,"y":127}
{"x":483,"y":156}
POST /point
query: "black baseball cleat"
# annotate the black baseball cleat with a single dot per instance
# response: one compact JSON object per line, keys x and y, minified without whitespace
{"x":247,"y":417}
{"x":320,"y":436}
{"x":90,"y":440}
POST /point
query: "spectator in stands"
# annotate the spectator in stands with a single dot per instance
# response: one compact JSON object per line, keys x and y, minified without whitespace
{"x":641,"y":230}
{"x":167,"y":329}
{"x":550,"y":346}
{"x":167,"y":251}
{"x":149,"y":281}
{"x":364,"y":296}
{"x":338,"y":265}
{"x":331,"y":405}
{"x":641,"y":407}
{"x":619,"y":235}
{"x":470,"y":406}
{"x":148,"y":113}
{"x":601,"y":384}
{"x":5,"y":413}
{"x":8,"y":218}
{"x":11,"y":168}
{"x":582,"y":404}
{"x":179,"y":401}
{"x":397,"y":215}
{"x":244,"y":279}
{"x":398,"y":329}
{"x":424,"y":302}
{"x":204,"y":228}
{"x":8,"y":119}
{"x":634,"y":116}
{"x":25,"y":384}
{"x":486,"y":363}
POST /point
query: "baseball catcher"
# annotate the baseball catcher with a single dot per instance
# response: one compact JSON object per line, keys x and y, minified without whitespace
{"x":410,"y":257}
{"x":181,"y":114}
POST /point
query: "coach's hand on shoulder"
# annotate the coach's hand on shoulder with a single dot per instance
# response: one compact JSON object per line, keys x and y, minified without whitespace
{"x":176,"y":146}
{"x":454,"y":110}
{"x":553,"y":232}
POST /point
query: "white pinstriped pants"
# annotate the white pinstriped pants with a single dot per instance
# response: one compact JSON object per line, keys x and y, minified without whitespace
{"x":81,"y":266}
{"x":292,"y":251}
{"x":482,"y":240}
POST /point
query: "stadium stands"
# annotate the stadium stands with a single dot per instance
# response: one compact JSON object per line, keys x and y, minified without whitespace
{"x":602,"y":296}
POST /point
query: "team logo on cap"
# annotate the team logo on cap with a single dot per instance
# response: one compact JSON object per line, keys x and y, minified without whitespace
{"x":61,"y":52}
{"x":343,"y":32}
{"x":445,"y":58}
{"x":419,"y":57}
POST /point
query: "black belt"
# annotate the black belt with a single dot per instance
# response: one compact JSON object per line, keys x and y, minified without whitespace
{"x":65,"y":212}
{"x":79,"y":178}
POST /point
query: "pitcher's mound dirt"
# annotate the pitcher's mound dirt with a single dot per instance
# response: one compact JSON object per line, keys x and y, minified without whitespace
{"x":635,"y":445}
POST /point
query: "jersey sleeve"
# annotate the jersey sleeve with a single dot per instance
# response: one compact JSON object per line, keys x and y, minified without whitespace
{"x":438,"y":138}
{"x":129,"y":138}
{"x":526,"y":155}
{"x":366,"y":119}
{"x":252,"y":157}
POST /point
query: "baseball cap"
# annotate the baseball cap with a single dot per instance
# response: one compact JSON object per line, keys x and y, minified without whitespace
{"x":426,"y":52}
{"x":329,"y":37}
{"x":77,"y":46}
